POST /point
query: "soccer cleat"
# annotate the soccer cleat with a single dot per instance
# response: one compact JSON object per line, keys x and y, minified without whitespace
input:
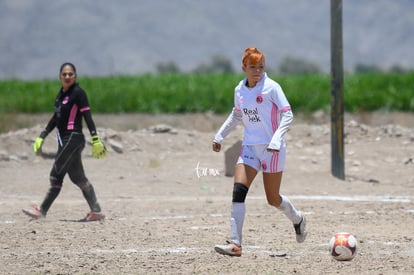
{"x":33,"y":212}
{"x":229,"y":249}
{"x":300,"y":229}
{"x":93,"y":216}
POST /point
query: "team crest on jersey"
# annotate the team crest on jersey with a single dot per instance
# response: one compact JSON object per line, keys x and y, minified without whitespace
{"x":259,"y":99}
{"x":65,"y":100}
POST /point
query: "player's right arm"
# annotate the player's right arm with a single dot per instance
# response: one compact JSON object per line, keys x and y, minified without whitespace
{"x":38,"y":143}
{"x":229,"y":124}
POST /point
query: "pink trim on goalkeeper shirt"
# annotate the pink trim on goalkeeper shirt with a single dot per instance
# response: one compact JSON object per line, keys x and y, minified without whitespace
{"x":87,"y":108}
{"x":72,"y":117}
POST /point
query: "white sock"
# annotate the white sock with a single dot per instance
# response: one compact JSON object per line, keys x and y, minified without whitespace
{"x":289,"y":210}
{"x":238,"y":211}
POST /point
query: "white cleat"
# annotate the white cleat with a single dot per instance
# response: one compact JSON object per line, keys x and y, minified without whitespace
{"x":300,"y":230}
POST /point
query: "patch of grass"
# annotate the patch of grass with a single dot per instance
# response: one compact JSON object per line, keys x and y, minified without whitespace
{"x":189,"y":93}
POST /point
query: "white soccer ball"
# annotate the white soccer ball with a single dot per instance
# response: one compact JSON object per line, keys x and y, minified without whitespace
{"x":343,"y":246}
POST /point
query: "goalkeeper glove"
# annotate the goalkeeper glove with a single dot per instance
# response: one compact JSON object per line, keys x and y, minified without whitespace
{"x":37,"y":145}
{"x":99,"y":150}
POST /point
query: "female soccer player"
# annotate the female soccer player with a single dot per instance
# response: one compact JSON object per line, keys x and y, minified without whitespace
{"x":71,"y":105}
{"x":262,"y":107}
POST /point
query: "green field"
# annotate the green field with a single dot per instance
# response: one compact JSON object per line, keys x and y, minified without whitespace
{"x":184,"y":93}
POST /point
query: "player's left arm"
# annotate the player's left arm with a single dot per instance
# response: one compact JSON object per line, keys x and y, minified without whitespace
{"x":286,"y":118}
{"x":86,"y":111}
{"x":99,"y":149}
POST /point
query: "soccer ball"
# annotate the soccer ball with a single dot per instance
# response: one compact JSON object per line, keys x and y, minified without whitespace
{"x":343,"y":246}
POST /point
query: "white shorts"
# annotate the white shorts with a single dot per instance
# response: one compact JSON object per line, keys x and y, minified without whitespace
{"x":257,"y":157}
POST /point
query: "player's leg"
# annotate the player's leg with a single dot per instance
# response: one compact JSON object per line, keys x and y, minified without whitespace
{"x":77,"y":175}
{"x":36,"y":212}
{"x":63,"y":160}
{"x":243,"y":177}
{"x":272,"y":183}
{"x":57,"y":174}
{"x":273,"y":165}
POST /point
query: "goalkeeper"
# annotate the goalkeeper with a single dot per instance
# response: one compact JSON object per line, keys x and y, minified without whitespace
{"x":71,"y":105}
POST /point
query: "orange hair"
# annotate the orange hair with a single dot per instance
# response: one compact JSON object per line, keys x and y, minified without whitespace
{"x":252,"y":55}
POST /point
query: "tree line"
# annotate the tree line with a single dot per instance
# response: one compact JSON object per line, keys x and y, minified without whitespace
{"x":288,"y":66}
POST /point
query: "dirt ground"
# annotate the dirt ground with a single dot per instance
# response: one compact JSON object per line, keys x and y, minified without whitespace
{"x":167,"y":201}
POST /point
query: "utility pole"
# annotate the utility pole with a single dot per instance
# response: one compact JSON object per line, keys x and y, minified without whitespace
{"x":337,"y":98}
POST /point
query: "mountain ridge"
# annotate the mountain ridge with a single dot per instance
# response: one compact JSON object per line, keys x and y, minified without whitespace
{"x":131,"y":37}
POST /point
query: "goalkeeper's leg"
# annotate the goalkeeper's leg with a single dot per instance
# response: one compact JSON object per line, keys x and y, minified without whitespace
{"x":65,"y":156}
{"x":52,"y":194}
{"x":77,"y":175}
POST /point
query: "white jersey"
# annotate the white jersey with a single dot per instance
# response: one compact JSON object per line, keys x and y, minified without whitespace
{"x":260,"y":109}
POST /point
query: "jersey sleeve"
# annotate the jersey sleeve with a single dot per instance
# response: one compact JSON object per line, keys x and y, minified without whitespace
{"x":89,"y":122}
{"x":279,"y":98}
{"x":49,"y":127}
{"x":229,"y":124}
{"x":286,"y":118}
{"x":86,"y":112}
{"x":82,"y":100}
